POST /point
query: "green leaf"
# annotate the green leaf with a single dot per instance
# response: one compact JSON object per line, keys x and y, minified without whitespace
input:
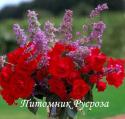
{"x":31,"y":105}
{"x":89,"y":96}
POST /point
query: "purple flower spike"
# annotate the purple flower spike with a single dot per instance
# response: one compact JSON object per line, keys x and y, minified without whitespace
{"x":50,"y":31}
{"x":33,"y":22}
{"x":40,"y":42}
{"x":79,"y":54}
{"x":98,"y":29}
{"x":66,"y":26}
{"x":20,"y":35}
{"x":98,"y":10}
{"x":44,"y":61}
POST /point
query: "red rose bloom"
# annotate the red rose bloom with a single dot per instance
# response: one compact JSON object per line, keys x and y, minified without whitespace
{"x":57,"y":87}
{"x":21,"y":85}
{"x":86,"y":69}
{"x":5,"y":75}
{"x":15,"y":84}
{"x":61,"y":67}
{"x":58,"y":50}
{"x":19,"y":59}
{"x":116,"y":76}
{"x":80,"y":89}
{"x":95,"y":60}
{"x":6,"y":95}
{"x":101,"y":86}
{"x":13,"y":56}
{"x":93,"y":78}
{"x":73,"y":75}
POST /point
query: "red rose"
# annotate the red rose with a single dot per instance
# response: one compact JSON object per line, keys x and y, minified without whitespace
{"x":19,"y":59}
{"x":101,"y":86}
{"x":7,"y":96}
{"x":73,"y":75}
{"x":116,"y":76}
{"x":21,"y":85}
{"x":57,"y":87}
{"x":61,"y":67}
{"x":80,"y":89}
{"x":59,"y":49}
{"x":13,"y":56}
{"x":5,"y":75}
{"x":15,"y":78}
{"x":95,"y":60}
{"x":15,"y":85}
{"x":93,"y":78}
{"x":86,"y":69}
{"x":28,"y":67}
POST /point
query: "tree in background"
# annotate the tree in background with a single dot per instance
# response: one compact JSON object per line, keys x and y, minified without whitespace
{"x":58,"y":6}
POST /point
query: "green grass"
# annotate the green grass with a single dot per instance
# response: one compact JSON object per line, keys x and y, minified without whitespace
{"x":116,"y":99}
{"x":113,"y":45}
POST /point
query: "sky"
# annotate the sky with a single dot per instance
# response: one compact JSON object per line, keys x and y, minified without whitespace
{"x":4,"y":3}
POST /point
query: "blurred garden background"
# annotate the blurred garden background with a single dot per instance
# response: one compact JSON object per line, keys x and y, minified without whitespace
{"x":113,"y":45}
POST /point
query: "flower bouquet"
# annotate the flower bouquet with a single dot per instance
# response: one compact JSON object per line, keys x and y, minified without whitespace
{"x":51,"y":64}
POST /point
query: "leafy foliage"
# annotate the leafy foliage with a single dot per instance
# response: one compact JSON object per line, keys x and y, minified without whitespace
{"x":31,"y":107}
